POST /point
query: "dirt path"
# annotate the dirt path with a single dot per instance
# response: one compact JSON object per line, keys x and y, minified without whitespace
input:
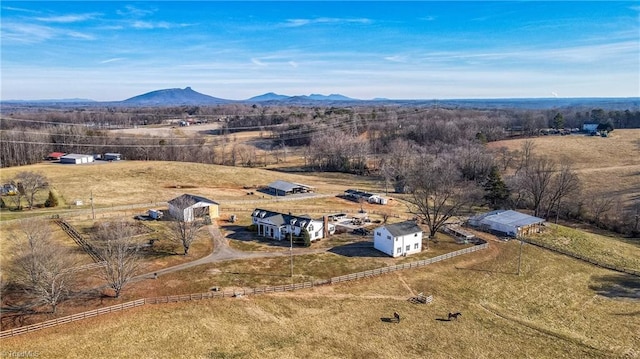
{"x":223,"y":252}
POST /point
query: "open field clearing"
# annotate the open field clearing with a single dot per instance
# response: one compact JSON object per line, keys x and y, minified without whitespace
{"x":595,"y":246}
{"x":133,"y":182}
{"x":558,"y":307}
{"x":610,"y":164}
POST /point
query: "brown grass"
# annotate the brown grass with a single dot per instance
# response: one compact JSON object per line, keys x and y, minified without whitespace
{"x":610,"y":165}
{"x":559,"y":307}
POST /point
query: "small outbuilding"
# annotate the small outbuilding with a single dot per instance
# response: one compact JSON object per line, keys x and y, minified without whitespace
{"x":283,"y":188}
{"x":74,"y":158}
{"x":398,"y":239}
{"x":188,"y":207}
{"x":508,"y":223}
{"x":112,"y":157}
{"x":355,"y":195}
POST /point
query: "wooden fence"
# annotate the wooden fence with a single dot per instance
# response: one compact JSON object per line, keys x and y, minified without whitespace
{"x":236,"y":293}
{"x":70,"y":318}
{"x":379,"y":271}
{"x":581,"y":257}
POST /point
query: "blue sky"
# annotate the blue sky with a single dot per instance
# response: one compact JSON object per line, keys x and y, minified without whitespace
{"x":400,"y":50}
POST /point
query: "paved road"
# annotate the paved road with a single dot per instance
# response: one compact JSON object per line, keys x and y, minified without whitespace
{"x":223,"y":252}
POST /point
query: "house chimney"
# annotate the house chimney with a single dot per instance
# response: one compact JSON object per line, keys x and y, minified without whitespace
{"x":325,"y":226}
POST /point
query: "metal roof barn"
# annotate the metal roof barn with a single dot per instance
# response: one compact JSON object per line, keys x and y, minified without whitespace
{"x":509,"y":222}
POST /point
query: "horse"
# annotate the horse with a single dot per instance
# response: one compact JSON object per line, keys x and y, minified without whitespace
{"x":397,"y":316}
{"x":454,"y":315}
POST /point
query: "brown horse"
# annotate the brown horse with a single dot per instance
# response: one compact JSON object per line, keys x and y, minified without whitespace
{"x":454,"y":315}
{"x":397,"y":316}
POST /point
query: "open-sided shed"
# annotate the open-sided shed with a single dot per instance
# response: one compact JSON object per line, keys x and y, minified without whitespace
{"x":283,"y":188}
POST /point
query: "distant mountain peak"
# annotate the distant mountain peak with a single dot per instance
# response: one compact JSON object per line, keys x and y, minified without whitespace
{"x":174,"y":96}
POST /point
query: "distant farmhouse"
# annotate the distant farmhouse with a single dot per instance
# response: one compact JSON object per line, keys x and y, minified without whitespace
{"x":398,"y":239}
{"x":355,"y":195}
{"x":188,"y":207}
{"x":279,"y":226}
{"x":74,"y":158}
{"x":508,"y":223}
{"x":283,"y":188}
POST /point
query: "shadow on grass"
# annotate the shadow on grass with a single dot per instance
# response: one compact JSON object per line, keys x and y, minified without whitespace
{"x":619,"y":286}
{"x":443,"y":320}
{"x":357,"y":249}
{"x":389,"y":320}
{"x":255,"y":274}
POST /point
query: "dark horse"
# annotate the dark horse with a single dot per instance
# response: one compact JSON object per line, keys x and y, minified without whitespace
{"x":397,"y":316}
{"x":454,"y":315}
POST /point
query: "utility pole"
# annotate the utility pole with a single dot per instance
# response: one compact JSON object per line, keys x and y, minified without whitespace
{"x":93,"y":213}
{"x":520,"y":257}
{"x":291,"y":249}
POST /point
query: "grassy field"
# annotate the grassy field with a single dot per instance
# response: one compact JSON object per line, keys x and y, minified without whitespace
{"x":595,"y":246}
{"x":605,"y":164}
{"x":558,"y":307}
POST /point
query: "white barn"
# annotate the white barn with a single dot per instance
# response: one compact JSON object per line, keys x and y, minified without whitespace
{"x":278,"y":225}
{"x":509,"y":223}
{"x":76,"y":159}
{"x":398,"y":239}
{"x":188,"y":207}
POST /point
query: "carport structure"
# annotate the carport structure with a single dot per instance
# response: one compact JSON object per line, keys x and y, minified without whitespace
{"x":283,"y":188}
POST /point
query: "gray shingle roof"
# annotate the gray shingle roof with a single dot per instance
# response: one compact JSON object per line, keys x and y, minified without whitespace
{"x":403,"y":228}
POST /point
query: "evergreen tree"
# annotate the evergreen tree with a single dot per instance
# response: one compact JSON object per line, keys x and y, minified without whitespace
{"x":52,"y":200}
{"x":558,"y":121}
{"x":496,"y":191}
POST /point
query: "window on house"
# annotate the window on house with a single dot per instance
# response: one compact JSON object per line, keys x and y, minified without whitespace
{"x":378,"y":234}
{"x":415,"y":234}
{"x":399,"y":250}
{"x":318,"y":234}
{"x":408,"y":247}
{"x":415,"y":246}
{"x":310,"y":227}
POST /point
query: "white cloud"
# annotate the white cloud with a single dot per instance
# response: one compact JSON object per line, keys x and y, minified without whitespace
{"x":68,"y":18}
{"x":115,"y":59}
{"x":326,"y":20}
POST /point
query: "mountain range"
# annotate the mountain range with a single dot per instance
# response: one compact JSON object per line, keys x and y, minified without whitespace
{"x":188,"y":96}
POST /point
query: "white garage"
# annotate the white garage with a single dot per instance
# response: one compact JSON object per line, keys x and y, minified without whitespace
{"x":76,"y":159}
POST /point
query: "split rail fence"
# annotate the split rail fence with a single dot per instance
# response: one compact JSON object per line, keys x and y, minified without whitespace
{"x":581,"y":257}
{"x":236,"y":293}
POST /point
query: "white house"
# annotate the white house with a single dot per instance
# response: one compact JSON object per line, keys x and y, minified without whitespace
{"x":589,"y":127}
{"x":188,"y":207}
{"x":398,"y":239}
{"x":509,"y":223}
{"x":278,"y":225}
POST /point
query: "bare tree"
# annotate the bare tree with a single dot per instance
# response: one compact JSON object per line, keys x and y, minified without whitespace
{"x":119,"y":252}
{"x":438,"y":191}
{"x":565,"y":183}
{"x":185,"y":232}
{"x":31,"y":183}
{"x":536,"y":179}
{"x":40,"y":266}
{"x":599,"y":205}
